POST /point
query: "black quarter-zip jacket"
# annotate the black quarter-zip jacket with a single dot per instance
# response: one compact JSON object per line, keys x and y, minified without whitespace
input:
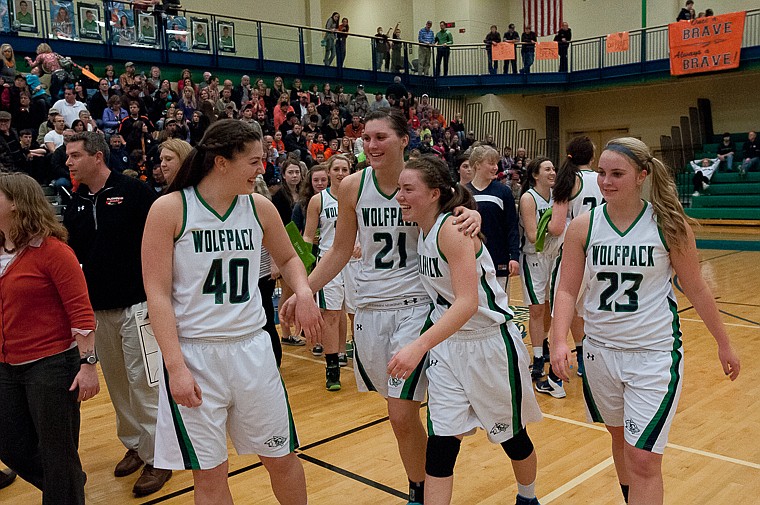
{"x":105,"y":232}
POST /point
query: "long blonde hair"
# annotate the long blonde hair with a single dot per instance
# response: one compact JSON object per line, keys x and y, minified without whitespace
{"x":34,"y":215}
{"x":671,"y":217}
{"x":10,"y":63}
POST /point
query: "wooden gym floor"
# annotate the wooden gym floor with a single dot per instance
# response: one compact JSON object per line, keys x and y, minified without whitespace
{"x":349,"y":452}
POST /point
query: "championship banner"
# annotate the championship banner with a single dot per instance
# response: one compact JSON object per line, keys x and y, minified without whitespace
{"x":706,"y":44}
{"x":547,"y":51}
{"x":503,"y":51}
{"x":617,"y":42}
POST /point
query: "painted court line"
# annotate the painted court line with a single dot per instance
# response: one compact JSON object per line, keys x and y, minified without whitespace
{"x":755,"y":327}
{"x":700,"y":452}
{"x":567,"y":486}
{"x":305,"y":358}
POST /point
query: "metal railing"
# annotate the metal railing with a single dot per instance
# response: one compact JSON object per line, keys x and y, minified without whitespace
{"x":270,"y":42}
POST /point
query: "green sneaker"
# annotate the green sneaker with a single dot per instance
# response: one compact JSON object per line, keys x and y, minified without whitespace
{"x":332,"y":374}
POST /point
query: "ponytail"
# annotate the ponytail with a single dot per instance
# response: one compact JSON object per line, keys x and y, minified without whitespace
{"x":580,"y":152}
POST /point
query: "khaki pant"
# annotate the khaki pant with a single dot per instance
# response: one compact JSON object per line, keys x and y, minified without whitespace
{"x":424,"y":60}
{"x":136,"y":403}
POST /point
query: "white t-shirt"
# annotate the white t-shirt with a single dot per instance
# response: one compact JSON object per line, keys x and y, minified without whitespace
{"x":55,"y":138}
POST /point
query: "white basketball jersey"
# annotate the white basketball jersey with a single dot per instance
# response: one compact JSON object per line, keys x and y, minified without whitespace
{"x":216,"y":268}
{"x":435,"y":272}
{"x":328,"y":216}
{"x":629,"y":298}
{"x":588,"y":197}
{"x":551,"y":244}
{"x":388,"y":271}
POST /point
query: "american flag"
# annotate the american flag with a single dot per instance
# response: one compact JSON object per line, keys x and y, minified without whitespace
{"x":543,"y":16}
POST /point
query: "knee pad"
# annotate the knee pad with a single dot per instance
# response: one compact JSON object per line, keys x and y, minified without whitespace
{"x":518,"y":447}
{"x":441,"y":456}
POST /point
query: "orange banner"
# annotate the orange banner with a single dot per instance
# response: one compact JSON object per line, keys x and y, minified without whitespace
{"x":547,"y":51}
{"x":503,"y":51}
{"x":617,"y":42}
{"x":706,"y":44}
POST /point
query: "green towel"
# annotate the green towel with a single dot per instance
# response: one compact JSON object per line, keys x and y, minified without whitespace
{"x":303,"y":248}
{"x":542,"y":230}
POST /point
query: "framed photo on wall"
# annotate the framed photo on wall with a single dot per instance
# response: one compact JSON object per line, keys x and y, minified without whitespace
{"x":199,"y":33}
{"x":226,"y":34}
{"x":89,"y":21}
{"x":176,"y":33}
{"x":146,"y":29}
{"x":62,"y":19}
{"x":23,"y":17}
{"x":122,"y":21}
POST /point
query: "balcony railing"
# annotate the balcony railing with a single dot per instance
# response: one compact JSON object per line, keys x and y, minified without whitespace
{"x":206,"y":38}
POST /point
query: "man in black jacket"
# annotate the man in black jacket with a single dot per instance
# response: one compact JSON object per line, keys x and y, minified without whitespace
{"x":296,"y":143}
{"x":105,"y":220}
{"x":750,"y":154}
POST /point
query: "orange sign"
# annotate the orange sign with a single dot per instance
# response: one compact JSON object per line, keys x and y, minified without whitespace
{"x":617,"y":42}
{"x":547,"y":51}
{"x":503,"y":51}
{"x":706,"y":44}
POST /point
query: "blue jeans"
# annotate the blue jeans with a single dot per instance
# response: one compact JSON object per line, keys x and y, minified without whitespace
{"x":527,"y":61}
{"x":39,"y":426}
{"x":329,"y":49}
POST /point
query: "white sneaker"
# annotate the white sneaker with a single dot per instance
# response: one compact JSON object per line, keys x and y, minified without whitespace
{"x":551,"y":388}
{"x":696,"y":193}
{"x":705,"y":186}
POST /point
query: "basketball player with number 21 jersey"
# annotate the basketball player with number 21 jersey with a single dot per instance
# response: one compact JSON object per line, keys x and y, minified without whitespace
{"x":628,"y":249}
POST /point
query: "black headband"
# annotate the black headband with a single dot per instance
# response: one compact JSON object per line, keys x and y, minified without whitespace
{"x":619,"y":148}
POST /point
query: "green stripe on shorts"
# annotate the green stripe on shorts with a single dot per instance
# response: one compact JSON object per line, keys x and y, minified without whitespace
{"x":291,"y":424}
{"x":362,"y":372}
{"x":321,"y":302}
{"x":189,"y":458}
{"x":596,"y":416}
{"x":529,"y":281}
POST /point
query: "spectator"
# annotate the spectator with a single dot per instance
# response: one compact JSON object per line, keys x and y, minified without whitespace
{"x":106,"y":238}
{"x":125,"y":127}
{"x":98,"y":102}
{"x":128,"y":77}
{"x":528,"y":49}
{"x":511,"y":36}
{"x":359,"y":103}
{"x":751,"y":154}
{"x":703,"y":172}
{"x":113,"y":80}
{"x":464,"y":170}
{"x":396,"y":89}
{"x":356,"y":128}
{"x":301,"y":106}
{"x":492,"y":37}
{"x":54,"y":138}
{"x":69,"y":106}
{"x":726,"y":152}
{"x":443,"y":41}
{"x":340,"y":41}
{"x":295,"y":143}
{"x":397,"y":61}
{"x":113,"y":115}
{"x":34,"y":155}
{"x":333,"y":130}
{"x":11,"y":156}
{"x":426,"y":37}
{"x":241,"y":94}
{"x":381,"y":49}
{"x":118,"y":159}
{"x":198,"y":125}
{"x":46,"y":62}
{"x":379,"y":103}
{"x":496,"y":205}
{"x":687,"y":13}
{"x":562,"y":38}
{"x":329,"y":38}
{"x":7,"y":61}
{"x":48,"y":360}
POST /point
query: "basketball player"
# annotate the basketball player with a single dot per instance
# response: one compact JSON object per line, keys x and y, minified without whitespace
{"x":628,"y":249}
{"x":201,"y":254}
{"x":575,"y":192}
{"x":536,"y":266}
{"x":321,"y":217}
{"x":478,"y":369}
{"x":391,"y":303}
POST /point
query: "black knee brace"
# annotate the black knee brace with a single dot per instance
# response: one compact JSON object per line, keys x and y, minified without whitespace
{"x":518,"y":447}
{"x":441,"y":456}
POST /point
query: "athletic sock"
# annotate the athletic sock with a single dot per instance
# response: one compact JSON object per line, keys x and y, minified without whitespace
{"x":579,"y":350}
{"x":417,"y":492}
{"x":331,"y":360}
{"x":527,"y":490}
{"x":552,"y":376}
{"x":624,"y":489}
{"x":538,"y":352}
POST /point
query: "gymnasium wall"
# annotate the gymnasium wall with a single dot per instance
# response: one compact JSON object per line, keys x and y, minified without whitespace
{"x":646,"y":110}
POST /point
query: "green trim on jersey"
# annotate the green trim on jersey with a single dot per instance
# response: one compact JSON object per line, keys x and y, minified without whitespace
{"x":380,"y":191}
{"x":189,"y":458}
{"x":596,"y":416}
{"x":588,"y":234}
{"x":528,"y":280}
{"x":431,"y":431}
{"x":553,"y":280}
{"x":653,"y":430}
{"x":256,"y":214}
{"x":480,"y":251}
{"x":211,"y":209}
{"x":542,"y":196}
{"x":184,"y":216}
{"x":291,"y":424}
{"x":634,"y":223}
{"x":361,"y":184}
{"x":362,"y":372}
{"x":491,"y":297}
{"x":437,"y":246}
{"x":662,"y":238}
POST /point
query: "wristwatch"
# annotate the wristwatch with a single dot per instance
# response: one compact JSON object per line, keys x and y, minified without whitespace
{"x":90,"y":359}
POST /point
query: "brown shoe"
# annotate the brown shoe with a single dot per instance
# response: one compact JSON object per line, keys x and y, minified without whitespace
{"x":151,"y":480}
{"x":129,"y":464}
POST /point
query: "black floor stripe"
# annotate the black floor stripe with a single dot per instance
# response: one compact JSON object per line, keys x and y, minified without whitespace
{"x":739,"y":304}
{"x":344,"y":434}
{"x":685,"y":309}
{"x":721,"y":256}
{"x":739,"y":317}
{"x":354,"y":476}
